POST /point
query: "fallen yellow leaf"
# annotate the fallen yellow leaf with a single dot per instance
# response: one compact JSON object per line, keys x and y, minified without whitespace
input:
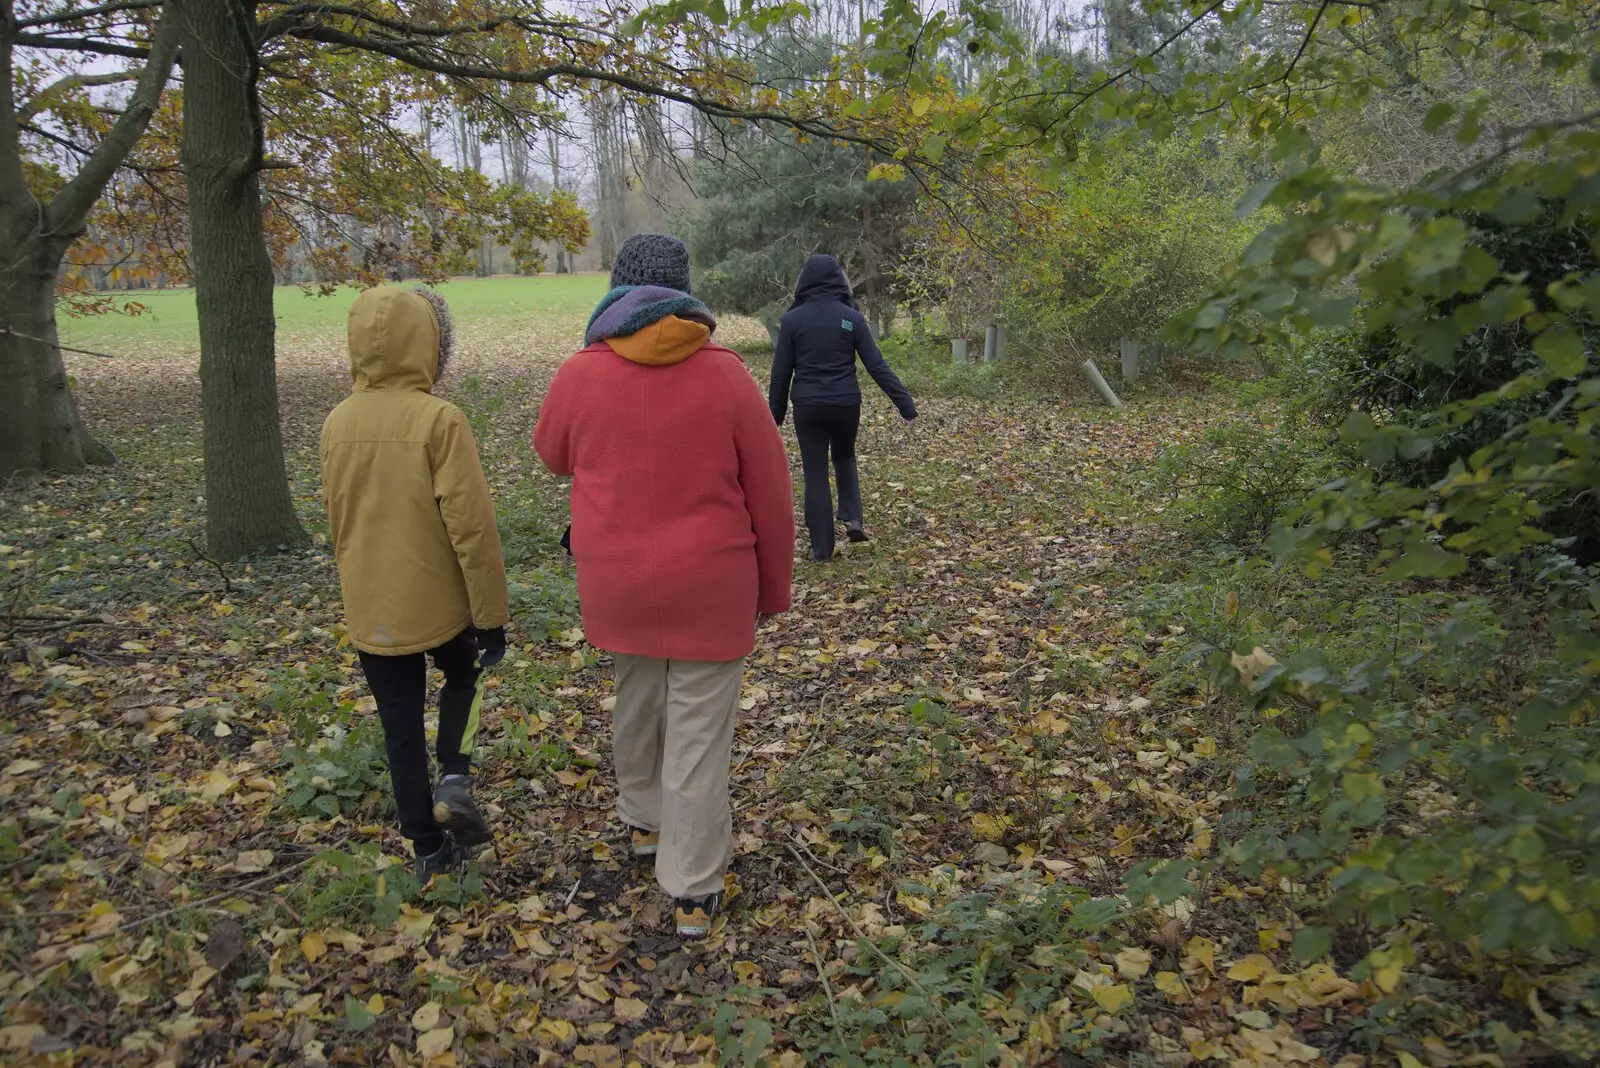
{"x":216,"y":784}
{"x":1171,"y":984}
{"x":252,"y":861}
{"x":1203,"y":952}
{"x":599,"y":1056}
{"x":432,"y":1043}
{"x":1132,"y":963}
{"x":1250,"y":969}
{"x":20,"y":1036}
{"x":561,"y":1032}
{"x":313,"y":946}
{"x":103,"y":918}
{"x":1252,"y":667}
{"x":1113,"y":999}
{"x":427,"y":1017}
{"x":629,"y":1010}
{"x":414,"y":922}
{"x":991,"y":828}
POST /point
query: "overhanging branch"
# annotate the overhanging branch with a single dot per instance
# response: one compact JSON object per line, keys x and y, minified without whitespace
{"x":544,"y":76}
{"x":67,"y":15}
{"x":70,"y":208}
{"x":45,"y":98}
{"x":79,"y":44}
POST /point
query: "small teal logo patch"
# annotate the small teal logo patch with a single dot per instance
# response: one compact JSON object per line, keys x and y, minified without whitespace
{"x":848,"y":325}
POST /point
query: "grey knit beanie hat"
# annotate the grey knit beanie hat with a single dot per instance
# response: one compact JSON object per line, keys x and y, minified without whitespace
{"x":652,"y":260}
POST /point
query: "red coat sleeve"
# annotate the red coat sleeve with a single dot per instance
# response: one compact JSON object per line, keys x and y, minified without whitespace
{"x":552,"y":438}
{"x":768,"y":496}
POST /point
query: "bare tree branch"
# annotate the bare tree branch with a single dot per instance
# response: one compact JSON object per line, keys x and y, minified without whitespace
{"x":45,"y":98}
{"x":69,"y":209}
{"x":79,"y":44}
{"x":78,"y":14}
{"x":296,"y":16}
{"x":546,"y":75}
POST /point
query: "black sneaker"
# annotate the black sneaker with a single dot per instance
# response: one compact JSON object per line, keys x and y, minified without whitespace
{"x":856,"y":533}
{"x":694,"y":915}
{"x":446,"y":860}
{"x":454,"y":808}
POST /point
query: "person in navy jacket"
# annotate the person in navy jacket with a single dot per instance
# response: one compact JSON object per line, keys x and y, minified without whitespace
{"x":815,"y":369}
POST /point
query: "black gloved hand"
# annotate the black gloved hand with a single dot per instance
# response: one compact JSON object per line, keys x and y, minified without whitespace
{"x":491,"y":646}
{"x":566,"y":539}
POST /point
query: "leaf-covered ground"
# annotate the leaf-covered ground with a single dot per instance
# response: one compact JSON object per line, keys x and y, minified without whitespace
{"x":946,"y":765}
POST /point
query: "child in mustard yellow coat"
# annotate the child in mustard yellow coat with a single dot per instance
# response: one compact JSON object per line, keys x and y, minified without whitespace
{"x":419,"y":559}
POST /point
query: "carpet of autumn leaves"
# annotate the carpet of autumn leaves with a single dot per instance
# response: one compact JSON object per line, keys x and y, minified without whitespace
{"x":947,"y":765}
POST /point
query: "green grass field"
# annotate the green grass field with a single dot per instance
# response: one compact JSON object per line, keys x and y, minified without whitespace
{"x":169,"y":319}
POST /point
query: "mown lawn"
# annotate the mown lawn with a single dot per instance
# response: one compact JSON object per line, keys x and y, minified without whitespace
{"x":169,"y":319}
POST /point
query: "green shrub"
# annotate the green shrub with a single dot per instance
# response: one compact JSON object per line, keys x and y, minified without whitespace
{"x":350,"y":886}
{"x":339,"y":773}
{"x":1243,"y":474}
{"x":925,"y":366}
{"x":1459,"y":779}
{"x":1468,"y":351}
{"x":307,"y":697}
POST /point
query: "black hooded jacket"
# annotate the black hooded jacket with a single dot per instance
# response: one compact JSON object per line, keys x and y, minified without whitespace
{"x":821,"y":336}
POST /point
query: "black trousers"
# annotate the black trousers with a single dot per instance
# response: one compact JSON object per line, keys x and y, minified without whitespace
{"x":400,"y":685}
{"x":825,"y":429}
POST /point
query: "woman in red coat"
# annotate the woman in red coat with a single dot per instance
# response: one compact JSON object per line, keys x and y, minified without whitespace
{"x":683,"y":533}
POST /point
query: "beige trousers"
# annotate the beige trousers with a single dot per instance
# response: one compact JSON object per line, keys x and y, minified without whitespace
{"x":672,"y":740}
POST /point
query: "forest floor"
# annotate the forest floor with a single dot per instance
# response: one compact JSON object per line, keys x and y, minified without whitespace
{"x":949,"y":759}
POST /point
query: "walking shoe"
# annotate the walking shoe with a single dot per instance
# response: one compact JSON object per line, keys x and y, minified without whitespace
{"x":453,"y":807}
{"x":446,"y":860}
{"x":856,"y":532}
{"x":694,"y":915}
{"x":645,"y":843}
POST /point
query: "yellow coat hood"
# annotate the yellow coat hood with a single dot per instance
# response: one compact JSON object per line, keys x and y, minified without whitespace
{"x":394,"y":339}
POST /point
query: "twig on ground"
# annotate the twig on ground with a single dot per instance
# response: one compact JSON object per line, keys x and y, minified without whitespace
{"x":827,"y":987}
{"x":819,"y":861}
{"x":872,"y":947}
{"x":227,"y":583}
{"x":573,"y":892}
{"x":213,"y":898}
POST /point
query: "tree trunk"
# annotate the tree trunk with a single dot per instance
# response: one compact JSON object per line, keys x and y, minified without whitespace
{"x":40,"y":428}
{"x":563,"y":263}
{"x":248,"y":506}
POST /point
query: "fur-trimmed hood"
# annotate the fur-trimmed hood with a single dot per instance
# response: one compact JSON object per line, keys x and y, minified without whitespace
{"x":399,"y":338}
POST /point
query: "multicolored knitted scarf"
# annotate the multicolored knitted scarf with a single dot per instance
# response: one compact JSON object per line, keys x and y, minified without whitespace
{"x":629,"y":309}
